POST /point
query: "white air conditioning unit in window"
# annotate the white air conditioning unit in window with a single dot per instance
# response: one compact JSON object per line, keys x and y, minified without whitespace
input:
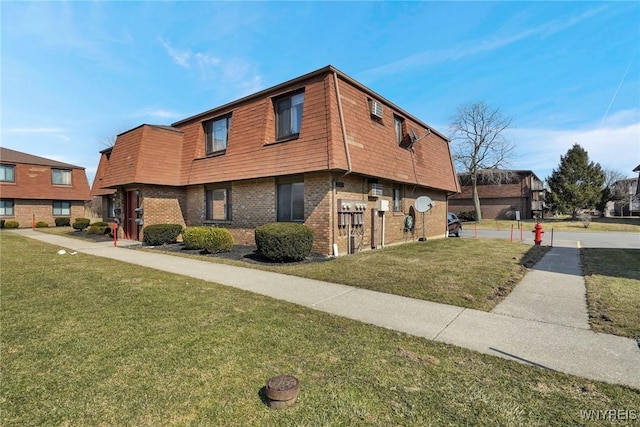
{"x":375,"y":190}
{"x":376,"y":109}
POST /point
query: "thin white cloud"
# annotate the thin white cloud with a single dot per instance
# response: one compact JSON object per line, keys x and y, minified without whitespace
{"x":36,"y":130}
{"x":235,"y":74}
{"x":615,"y":145}
{"x":474,"y":47}
{"x":182,"y":58}
{"x":156,"y":113}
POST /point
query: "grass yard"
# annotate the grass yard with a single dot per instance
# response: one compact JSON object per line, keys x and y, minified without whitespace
{"x":612,"y":277}
{"x":472,"y":273}
{"x":564,"y":224}
{"x":89,"y":341}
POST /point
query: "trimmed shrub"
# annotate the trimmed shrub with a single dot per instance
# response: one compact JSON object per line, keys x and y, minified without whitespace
{"x":159,"y":234}
{"x":11,"y":224}
{"x":212,"y":239}
{"x":42,"y":224}
{"x":467,"y":215}
{"x":81,"y":223}
{"x":99,"y":228}
{"x":1,"y":223}
{"x":63,"y":222}
{"x":284,"y":241}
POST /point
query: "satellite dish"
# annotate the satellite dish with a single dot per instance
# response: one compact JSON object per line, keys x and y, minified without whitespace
{"x":423,"y":203}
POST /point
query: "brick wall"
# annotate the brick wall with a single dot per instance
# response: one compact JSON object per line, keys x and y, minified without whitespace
{"x":253,"y":203}
{"x":163,"y":205}
{"x":501,"y":208}
{"x":357,"y":188}
{"x":25,"y":209}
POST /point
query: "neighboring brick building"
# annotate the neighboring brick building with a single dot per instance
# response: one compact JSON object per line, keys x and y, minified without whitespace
{"x":32,"y":186}
{"x":321,"y":149}
{"x":502,"y":193}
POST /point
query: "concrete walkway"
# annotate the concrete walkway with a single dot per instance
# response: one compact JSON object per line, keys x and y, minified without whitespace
{"x":543,"y":322}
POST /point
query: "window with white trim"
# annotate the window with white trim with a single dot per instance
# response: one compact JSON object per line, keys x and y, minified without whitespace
{"x":61,"y":176}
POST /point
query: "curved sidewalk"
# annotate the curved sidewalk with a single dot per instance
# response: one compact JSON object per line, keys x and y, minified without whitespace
{"x":541,"y":323}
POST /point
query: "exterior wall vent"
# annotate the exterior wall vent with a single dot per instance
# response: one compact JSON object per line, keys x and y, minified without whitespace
{"x":376,"y":109}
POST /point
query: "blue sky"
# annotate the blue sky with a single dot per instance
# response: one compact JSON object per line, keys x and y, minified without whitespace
{"x":76,"y":74}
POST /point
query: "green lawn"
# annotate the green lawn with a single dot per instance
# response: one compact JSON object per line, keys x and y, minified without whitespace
{"x":564,"y":224}
{"x":472,"y":273}
{"x":612,"y":277}
{"x":89,"y":341}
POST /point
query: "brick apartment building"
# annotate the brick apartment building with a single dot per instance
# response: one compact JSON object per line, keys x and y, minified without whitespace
{"x":44,"y":189}
{"x":502,"y":193}
{"x":321,"y":149}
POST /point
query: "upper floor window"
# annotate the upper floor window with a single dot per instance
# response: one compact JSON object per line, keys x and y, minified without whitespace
{"x":216,"y":134}
{"x":61,"y":176}
{"x":7,"y":173}
{"x":61,"y":208}
{"x":6,"y":207}
{"x":398,"y":123}
{"x":218,"y":204}
{"x":289,"y":116}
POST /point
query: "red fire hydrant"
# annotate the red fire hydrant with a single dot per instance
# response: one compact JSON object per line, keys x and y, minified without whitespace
{"x":537,"y":239}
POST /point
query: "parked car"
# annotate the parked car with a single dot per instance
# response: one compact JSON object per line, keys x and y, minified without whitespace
{"x":454,"y":225}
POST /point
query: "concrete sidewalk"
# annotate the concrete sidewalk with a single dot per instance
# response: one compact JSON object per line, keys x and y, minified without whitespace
{"x":542,"y":322}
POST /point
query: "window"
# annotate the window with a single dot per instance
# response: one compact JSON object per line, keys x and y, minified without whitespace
{"x":218,"y":206}
{"x":61,"y":208}
{"x":6,"y":207}
{"x":111,"y":206}
{"x":397,"y":198}
{"x":7,"y":173}
{"x":289,"y":116}
{"x":291,"y":201}
{"x":399,"y":124}
{"x":216,"y":134}
{"x":61,"y":176}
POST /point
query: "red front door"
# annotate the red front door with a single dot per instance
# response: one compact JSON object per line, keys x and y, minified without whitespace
{"x":130,"y":226}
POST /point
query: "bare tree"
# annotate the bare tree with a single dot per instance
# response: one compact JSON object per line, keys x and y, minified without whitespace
{"x":108,"y":142}
{"x":479,"y":146}
{"x":614,"y":189}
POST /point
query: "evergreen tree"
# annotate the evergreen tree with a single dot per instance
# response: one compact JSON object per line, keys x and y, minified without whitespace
{"x":576,"y":184}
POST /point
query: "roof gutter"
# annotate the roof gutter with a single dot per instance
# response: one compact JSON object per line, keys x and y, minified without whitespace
{"x":342,"y":125}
